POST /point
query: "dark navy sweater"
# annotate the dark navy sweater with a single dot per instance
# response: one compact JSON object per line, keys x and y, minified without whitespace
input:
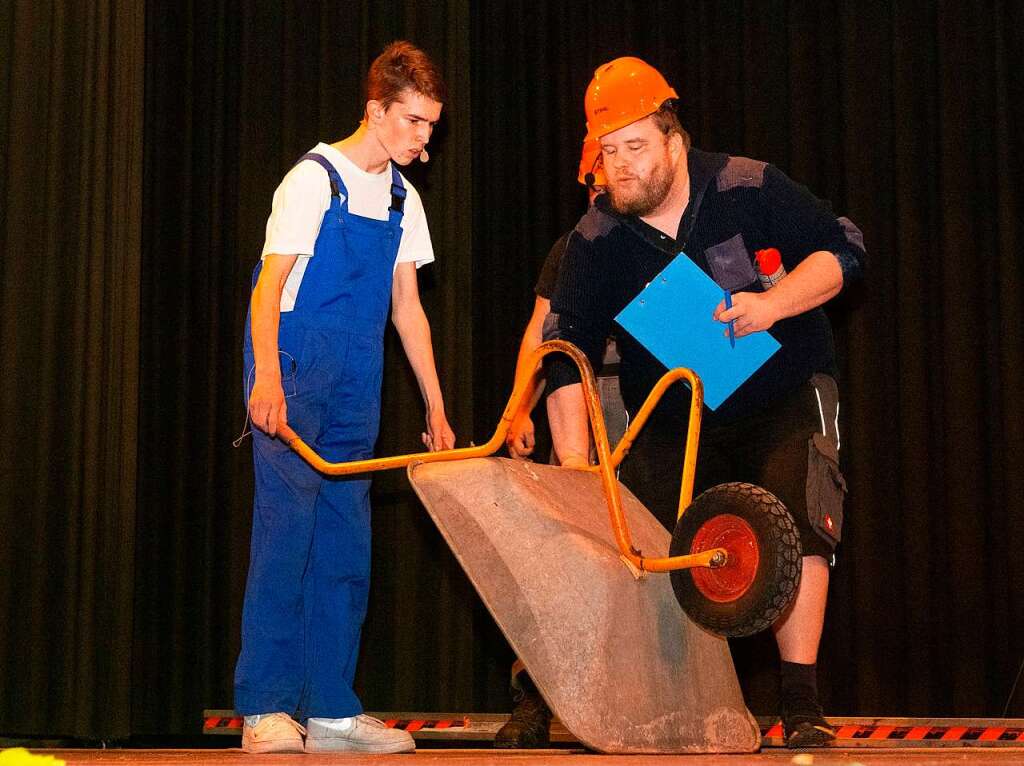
{"x":737,"y":206}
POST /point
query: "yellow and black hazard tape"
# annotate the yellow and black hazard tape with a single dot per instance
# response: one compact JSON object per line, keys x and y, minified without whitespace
{"x":850,"y":732}
{"x":221,"y":722}
{"x":419,"y":724}
{"x":910,"y":732}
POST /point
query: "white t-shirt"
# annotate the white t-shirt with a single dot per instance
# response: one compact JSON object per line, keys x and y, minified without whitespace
{"x":303,"y":197}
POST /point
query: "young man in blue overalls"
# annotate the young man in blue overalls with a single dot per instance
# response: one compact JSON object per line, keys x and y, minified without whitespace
{"x":345,"y":237}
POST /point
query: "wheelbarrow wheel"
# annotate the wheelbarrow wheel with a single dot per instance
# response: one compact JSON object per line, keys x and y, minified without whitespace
{"x":762,"y":573}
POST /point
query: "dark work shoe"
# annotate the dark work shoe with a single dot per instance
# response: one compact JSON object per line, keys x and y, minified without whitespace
{"x":806,"y":727}
{"x":528,"y":726}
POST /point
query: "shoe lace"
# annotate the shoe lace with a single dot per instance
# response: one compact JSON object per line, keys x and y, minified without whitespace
{"x":285,"y":718}
{"x":372,"y":721}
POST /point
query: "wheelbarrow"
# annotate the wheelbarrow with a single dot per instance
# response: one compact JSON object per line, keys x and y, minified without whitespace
{"x":624,"y":668}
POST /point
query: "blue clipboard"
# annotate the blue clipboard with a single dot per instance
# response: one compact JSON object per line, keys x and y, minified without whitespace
{"x":671,"y":317}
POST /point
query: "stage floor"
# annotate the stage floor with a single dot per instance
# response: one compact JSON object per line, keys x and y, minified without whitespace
{"x":935,"y":756}
{"x":465,"y":740}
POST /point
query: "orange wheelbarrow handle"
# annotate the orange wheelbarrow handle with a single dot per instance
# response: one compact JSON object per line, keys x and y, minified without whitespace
{"x":607,"y":461}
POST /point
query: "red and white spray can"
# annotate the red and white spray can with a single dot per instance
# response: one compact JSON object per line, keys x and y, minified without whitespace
{"x":769,"y":267}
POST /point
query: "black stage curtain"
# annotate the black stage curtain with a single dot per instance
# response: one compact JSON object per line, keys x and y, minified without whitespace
{"x":122,"y":597}
{"x":70,"y":193}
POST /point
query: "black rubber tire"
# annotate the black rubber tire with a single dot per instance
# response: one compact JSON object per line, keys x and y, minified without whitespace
{"x":777,"y":577}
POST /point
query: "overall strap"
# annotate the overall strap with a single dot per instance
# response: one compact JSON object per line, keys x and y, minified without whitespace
{"x":398,"y":192}
{"x":337,"y":185}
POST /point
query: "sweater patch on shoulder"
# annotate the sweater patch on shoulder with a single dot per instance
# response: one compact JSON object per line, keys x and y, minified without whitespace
{"x":852,"y":233}
{"x":740,"y":172}
{"x":595,"y":224}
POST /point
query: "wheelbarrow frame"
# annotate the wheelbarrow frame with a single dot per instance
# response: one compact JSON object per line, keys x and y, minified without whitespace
{"x":607,"y":459}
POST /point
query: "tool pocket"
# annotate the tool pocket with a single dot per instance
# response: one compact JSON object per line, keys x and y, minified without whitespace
{"x":826,"y":489}
{"x":731,"y":264}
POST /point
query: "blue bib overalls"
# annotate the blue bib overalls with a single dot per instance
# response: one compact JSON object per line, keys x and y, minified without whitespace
{"x":306,"y":592}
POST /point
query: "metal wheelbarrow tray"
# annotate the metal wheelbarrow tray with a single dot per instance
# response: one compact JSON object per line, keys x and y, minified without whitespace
{"x":618,"y":661}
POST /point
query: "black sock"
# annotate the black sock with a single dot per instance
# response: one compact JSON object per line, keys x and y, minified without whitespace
{"x":799,"y":684}
{"x":527,"y":683}
{"x":797,"y":676}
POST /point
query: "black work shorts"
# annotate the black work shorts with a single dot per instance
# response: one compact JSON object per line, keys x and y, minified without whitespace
{"x":791,"y":449}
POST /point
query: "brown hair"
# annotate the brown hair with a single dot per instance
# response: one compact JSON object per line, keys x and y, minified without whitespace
{"x":401,"y":67}
{"x":668,"y":121}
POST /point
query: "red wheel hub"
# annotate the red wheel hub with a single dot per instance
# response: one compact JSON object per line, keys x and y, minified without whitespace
{"x":737,"y":537}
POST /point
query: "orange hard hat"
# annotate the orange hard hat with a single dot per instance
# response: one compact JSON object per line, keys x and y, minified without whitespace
{"x":623,"y":91}
{"x":591,"y":164}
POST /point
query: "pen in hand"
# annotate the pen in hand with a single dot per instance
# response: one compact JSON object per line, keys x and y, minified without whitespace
{"x":732,"y":330}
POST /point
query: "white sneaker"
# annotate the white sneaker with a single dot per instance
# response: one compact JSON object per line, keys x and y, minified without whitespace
{"x":359,"y":734}
{"x":272,"y":733}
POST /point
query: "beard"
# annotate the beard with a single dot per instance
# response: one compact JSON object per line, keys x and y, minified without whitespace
{"x":648,"y":193}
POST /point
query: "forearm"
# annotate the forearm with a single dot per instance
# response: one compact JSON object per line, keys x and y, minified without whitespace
{"x":535,"y":386}
{"x":567,"y":418}
{"x":814,"y":281}
{"x":414,"y":330}
{"x":532,"y":338}
{"x":267,"y":406}
{"x":265,"y":321}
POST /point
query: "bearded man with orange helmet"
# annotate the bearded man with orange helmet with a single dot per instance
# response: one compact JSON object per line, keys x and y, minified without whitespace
{"x":779,"y":429}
